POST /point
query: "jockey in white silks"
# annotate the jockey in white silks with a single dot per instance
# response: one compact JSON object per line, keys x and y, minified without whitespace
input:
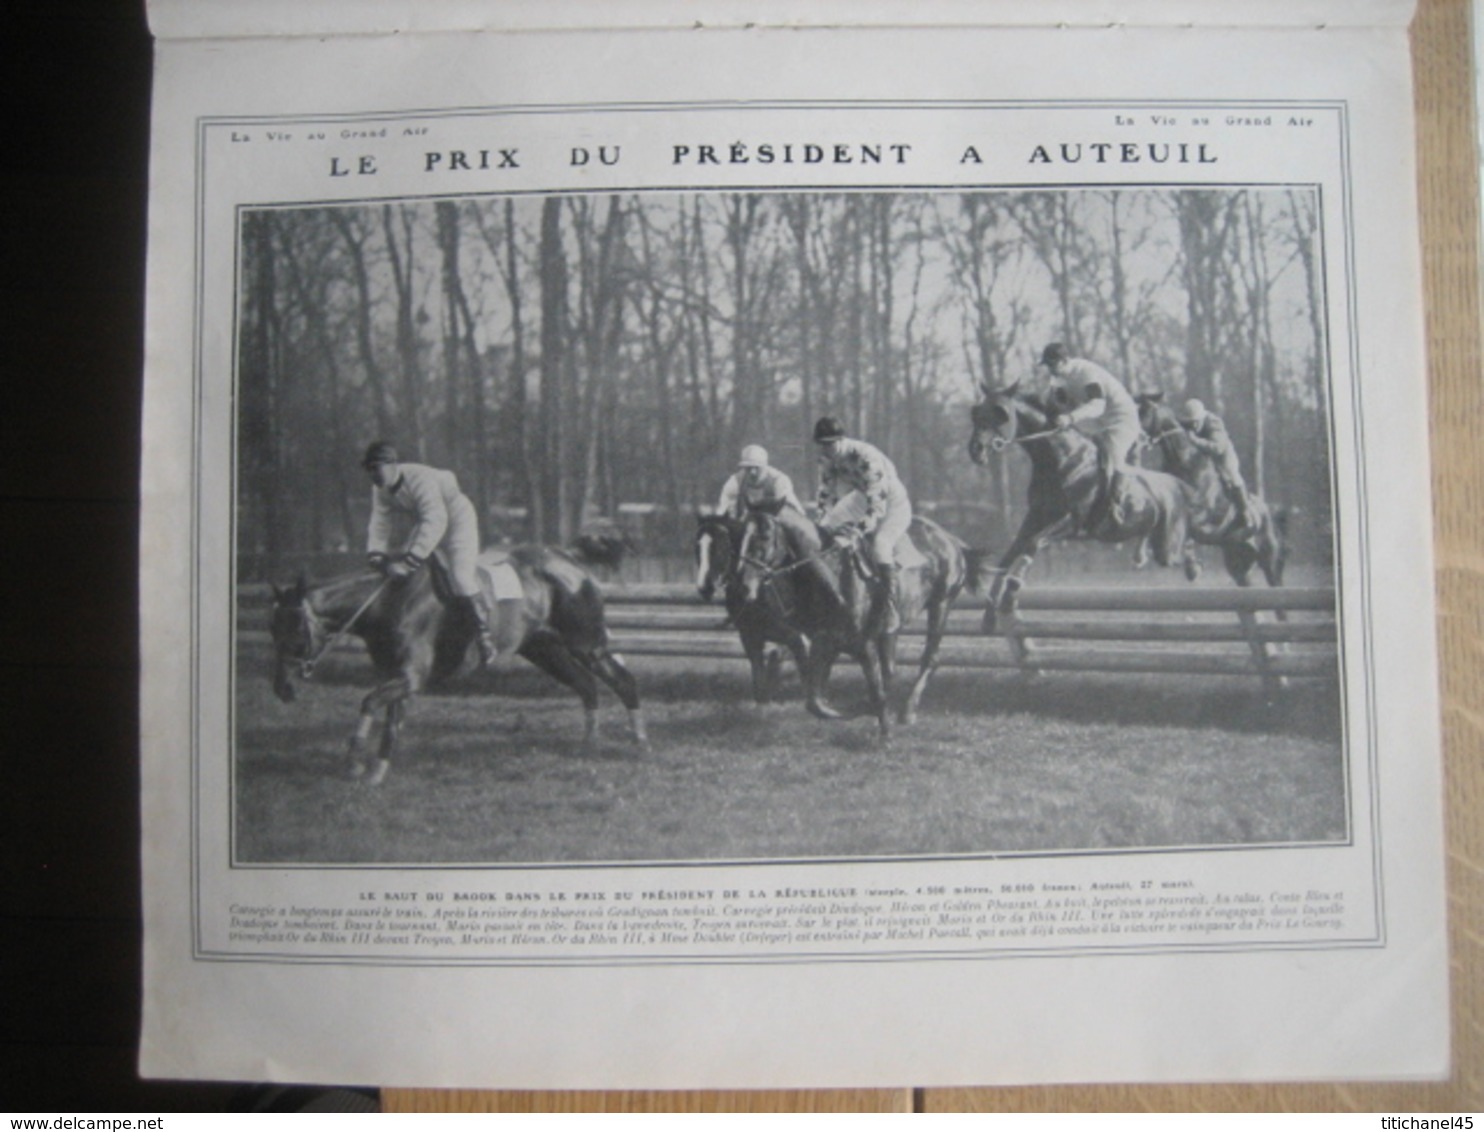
{"x":443,"y":523}
{"x":1208,"y":433}
{"x":756,"y":484}
{"x":860,"y":491}
{"x":1098,"y":404}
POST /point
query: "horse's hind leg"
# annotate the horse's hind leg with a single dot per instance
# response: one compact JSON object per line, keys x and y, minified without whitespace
{"x":548,"y":653}
{"x":611,"y":669}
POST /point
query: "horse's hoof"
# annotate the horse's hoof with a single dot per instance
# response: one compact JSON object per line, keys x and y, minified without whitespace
{"x":378,"y":772}
{"x":823,"y":710}
{"x":1192,"y":570}
{"x":356,"y":771}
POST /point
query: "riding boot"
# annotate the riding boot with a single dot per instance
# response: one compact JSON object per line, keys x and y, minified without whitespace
{"x":1244,"y":506}
{"x":886,"y":595}
{"x":1116,"y":512}
{"x":483,"y":635}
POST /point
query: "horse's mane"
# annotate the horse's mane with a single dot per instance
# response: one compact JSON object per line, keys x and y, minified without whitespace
{"x":801,"y":531}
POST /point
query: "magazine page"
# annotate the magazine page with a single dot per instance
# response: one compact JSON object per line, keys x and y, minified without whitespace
{"x":789,"y":557}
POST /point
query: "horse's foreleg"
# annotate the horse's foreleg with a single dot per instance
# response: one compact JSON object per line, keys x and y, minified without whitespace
{"x":391,"y":734}
{"x":876,"y":688}
{"x":1037,"y":530}
{"x":817,"y":666}
{"x":755,"y":647}
{"x":937,"y":626}
{"x":387,"y":701}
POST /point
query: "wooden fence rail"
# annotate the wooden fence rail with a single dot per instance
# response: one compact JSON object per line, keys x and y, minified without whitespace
{"x":1206,"y":631}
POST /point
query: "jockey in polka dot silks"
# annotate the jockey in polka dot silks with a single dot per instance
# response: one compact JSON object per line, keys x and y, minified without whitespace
{"x":860,"y":491}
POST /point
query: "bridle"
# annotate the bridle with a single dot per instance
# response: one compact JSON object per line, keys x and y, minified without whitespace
{"x":315,"y":627}
{"x":770,"y":573}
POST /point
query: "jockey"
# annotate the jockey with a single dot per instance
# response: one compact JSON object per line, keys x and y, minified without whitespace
{"x":1208,"y":433}
{"x":860,"y":491}
{"x":443,"y":522}
{"x":1102,"y":407}
{"x":755,"y":484}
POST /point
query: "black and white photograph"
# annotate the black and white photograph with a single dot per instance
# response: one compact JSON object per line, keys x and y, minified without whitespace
{"x":750,"y":526}
{"x":872,"y":534}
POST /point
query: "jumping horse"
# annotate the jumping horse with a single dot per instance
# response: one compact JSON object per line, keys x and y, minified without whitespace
{"x":1068,"y":494}
{"x":826,"y":593}
{"x":1215,"y":519}
{"x":417,"y":640}
{"x":716,"y":542}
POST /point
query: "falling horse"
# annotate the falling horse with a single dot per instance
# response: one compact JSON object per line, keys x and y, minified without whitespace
{"x":1215,"y":518}
{"x":416,"y":639}
{"x":717,"y":539}
{"x":826,"y":593}
{"x":1068,"y":494}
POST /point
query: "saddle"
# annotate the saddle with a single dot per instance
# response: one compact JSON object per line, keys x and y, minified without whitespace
{"x":905,"y":556}
{"x":496,"y":575}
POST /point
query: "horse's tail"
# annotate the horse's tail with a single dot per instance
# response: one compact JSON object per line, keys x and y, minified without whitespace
{"x":979,"y":569}
{"x":601,"y":548}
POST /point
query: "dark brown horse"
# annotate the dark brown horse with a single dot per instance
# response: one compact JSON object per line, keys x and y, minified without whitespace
{"x":717,"y":539}
{"x":416,"y":639}
{"x":1215,"y":518}
{"x":826,"y":594}
{"x":1068,"y":494}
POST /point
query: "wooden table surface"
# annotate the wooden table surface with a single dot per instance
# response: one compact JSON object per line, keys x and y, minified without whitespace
{"x":1450,"y":235}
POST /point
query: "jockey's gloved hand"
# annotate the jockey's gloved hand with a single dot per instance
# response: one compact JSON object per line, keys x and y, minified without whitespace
{"x":404,"y":567}
{"x":377,"y":561}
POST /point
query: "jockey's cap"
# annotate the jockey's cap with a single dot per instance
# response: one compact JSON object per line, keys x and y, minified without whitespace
{"x":1193,"y":410}
{"x":1054,"y":354}
{"x":754,"y":456}
{"x":380,"y":453}
{"x":828,"y":428}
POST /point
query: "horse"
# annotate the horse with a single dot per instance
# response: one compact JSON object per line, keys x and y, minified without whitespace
{"x":1068,"y":494}
{"x":1215,"y":519}
{"x":826,"y":594}
{"x":716,"y":541}
{"x":416,"y":640}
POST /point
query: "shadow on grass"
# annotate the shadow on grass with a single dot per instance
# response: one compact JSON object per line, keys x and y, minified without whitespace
{"x":1308,"y":707}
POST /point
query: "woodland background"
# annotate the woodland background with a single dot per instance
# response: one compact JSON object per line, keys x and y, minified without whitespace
{"x":588,"y":360}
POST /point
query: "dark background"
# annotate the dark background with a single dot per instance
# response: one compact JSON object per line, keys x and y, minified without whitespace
{"x":74,"y":156}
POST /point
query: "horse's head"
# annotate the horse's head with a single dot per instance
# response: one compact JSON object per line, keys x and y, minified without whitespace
{"x":715,"y":551}
{"x":998,"y":420}
{"x":762,"y":550}
{"x":1155,"y":416}
{"x":297,"y":635}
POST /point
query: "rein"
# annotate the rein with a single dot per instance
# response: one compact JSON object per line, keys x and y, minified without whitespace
{"x":999,"y":443}
{"x":307,"y":665}
{"x":770,"y":572}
